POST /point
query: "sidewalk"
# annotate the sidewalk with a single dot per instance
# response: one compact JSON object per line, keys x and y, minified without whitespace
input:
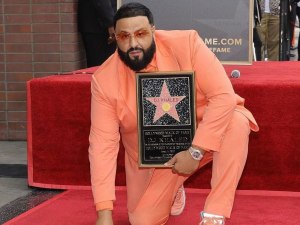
{"x":13,"y":171}
{"x":15,"y":195}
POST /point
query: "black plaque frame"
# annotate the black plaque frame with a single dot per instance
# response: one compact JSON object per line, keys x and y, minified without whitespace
{"x":166,"y":115}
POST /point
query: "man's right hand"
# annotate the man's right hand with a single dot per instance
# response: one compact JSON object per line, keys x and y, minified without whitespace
{"x":111,"y":33}
{"x":104,"y":218}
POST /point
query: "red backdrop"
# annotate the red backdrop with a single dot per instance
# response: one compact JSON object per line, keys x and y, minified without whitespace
{"x":59,"y":121}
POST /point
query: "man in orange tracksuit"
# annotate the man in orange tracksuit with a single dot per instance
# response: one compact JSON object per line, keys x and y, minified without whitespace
{"x":223,"y":124}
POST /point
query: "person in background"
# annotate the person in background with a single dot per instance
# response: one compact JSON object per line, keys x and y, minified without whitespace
{"x":298,"y":15}
{"x":269,"y":29}
{"x":295,"y":12}
{"x":95,"y":23}
{"x":222,"y":134}
{"x":256,"y":39}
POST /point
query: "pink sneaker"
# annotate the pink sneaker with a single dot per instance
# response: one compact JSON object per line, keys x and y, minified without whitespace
{"x":179,"y":202}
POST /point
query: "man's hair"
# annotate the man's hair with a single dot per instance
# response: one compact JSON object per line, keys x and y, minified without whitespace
{"x":131,"y":10}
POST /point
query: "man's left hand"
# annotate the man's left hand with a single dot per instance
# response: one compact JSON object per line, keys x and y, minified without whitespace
{"x":183,"y":163}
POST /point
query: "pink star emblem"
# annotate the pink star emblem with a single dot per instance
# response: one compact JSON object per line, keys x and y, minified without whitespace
{"x":165,"y":103}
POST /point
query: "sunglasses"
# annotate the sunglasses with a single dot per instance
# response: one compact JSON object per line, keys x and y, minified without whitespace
{"x":138,"y":35}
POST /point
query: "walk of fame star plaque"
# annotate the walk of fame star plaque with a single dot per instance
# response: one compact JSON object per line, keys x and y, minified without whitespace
{"x":166,"y":115}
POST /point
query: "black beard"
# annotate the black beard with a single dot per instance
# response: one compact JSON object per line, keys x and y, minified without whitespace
{"x":138,"y":64}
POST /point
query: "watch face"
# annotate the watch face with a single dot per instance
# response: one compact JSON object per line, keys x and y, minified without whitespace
{"x":196,"y":155}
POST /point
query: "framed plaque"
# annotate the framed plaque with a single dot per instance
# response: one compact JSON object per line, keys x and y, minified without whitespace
{"x":166,"y":115}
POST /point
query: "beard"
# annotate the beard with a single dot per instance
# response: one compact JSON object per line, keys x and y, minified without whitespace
{"x":137,"y":64}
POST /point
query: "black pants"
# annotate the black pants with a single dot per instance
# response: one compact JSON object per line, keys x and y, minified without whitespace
{"x":298,"y":14}
{"x":257,"y":44}
{"x":97,"y":48}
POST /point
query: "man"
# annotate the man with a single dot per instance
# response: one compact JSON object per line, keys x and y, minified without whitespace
{"x":269,"y":29}
{"x":256,"y":39}
{"x":95,"y":23}
{"x":298,"y":15}
{"x":222,"y":132}
{"x":294,"y":13}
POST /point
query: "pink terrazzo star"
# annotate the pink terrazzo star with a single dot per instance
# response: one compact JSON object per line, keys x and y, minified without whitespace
{"x":165,"y":103}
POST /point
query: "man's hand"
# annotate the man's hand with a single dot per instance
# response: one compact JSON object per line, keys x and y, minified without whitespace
{"x":104,"y":217}
{"x":111,"y":33}
{"x":183,"y":163}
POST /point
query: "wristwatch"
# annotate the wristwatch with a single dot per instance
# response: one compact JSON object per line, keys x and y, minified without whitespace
{"x":195,"y":153}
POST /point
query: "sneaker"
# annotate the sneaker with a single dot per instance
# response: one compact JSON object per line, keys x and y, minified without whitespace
{"x":211,"y":220}
{"x":179,"y":202}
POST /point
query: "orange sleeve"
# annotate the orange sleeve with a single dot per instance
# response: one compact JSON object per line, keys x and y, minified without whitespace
{"x":104,"y":205}
{"x":104,"y":144}
{"x":216,"y":100}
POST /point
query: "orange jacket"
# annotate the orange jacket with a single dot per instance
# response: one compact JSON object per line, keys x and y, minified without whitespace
{"x":114,"y":112}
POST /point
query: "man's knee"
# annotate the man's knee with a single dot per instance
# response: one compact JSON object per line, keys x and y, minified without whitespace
{"x":236,"y":140}
{"x":239,"y":124}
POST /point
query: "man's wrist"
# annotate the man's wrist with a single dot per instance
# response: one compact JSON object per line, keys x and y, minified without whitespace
{"x":196,"y":153}
{"x":105,"y":216}
{"x":200,"y":149}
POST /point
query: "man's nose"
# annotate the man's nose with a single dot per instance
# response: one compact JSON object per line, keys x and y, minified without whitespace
{"x":133,"y":42}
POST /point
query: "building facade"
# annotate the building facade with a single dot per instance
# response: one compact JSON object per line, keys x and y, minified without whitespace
{"x":37,"y":38}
